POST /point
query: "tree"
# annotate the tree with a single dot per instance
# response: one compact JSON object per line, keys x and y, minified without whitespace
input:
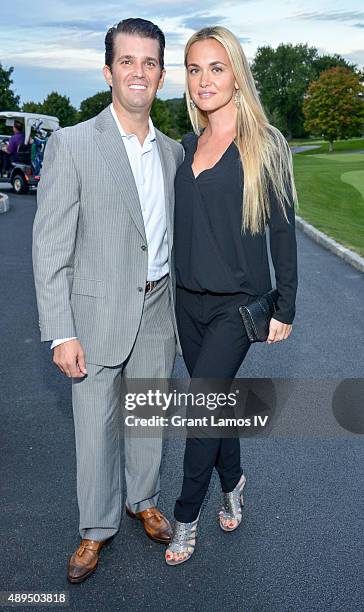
{"x":32,"y":107}
{"x":324,"y":62}
{"x":160,"y":116}
{"x":9,"y":101}
{"x":334,"y":105}
{"x":179,"y":120}
{"x":183,"y":120}
{"x":61,"y":107}
{"x":282,"y":76}
{"x":90,"y":107}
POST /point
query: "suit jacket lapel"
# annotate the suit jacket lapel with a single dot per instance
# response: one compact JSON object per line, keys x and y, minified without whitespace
{"x":166,"y":157}
{"x":111,"y":146}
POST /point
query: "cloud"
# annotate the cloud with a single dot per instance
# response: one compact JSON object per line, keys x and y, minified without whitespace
{"x":77,"y":24}
{"x":330,"y":16}
{"x":356,"y":56}
{"x":78,"y":40}
{"x":174,"y":83}
{"x":202,"y":20}
{"x":64,"y":41}
{"x":146,"y":9}
{"x":177,"y":39}
{"x":35,"y":83}
{"x":60,"y":58}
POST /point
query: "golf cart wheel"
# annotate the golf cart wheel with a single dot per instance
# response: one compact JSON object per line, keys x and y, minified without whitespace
{"x":19,"y":184}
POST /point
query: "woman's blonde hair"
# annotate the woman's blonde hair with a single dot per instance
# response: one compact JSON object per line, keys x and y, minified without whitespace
{"x":264,"y":152}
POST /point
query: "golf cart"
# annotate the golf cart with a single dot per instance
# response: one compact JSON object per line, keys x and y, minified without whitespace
{"x":25,"y":171}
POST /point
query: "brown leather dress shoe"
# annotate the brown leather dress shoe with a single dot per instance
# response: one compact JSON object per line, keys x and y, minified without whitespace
{"x":84,"y":561}
{"x":156,"y":526}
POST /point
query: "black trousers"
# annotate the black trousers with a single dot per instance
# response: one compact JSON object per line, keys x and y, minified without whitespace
{"x":214,"y":344}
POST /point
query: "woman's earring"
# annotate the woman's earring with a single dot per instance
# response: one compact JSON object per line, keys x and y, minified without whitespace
{"x":192,"y":105}
{"x":237,"y":98}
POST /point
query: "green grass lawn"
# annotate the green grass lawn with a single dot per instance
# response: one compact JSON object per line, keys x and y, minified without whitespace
{"x":331,"y":193}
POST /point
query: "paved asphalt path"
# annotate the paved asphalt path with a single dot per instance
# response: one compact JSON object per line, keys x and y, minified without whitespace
{"x":300,"y":547}
{"x":305,"y":148}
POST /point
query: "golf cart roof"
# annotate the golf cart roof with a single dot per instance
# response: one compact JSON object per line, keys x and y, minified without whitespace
{"x":30,"y":120}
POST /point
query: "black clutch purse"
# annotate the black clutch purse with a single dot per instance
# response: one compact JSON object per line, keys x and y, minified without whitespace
{"x":257,"y":315}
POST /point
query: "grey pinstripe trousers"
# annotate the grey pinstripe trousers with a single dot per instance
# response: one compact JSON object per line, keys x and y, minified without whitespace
{"x":101,"y":444}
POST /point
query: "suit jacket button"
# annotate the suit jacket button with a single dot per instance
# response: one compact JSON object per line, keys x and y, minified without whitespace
{"x":140,"y":288}
{"x":143,"y":247}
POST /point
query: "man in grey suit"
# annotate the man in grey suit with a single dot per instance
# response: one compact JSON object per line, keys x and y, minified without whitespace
{"x":102,"y":245}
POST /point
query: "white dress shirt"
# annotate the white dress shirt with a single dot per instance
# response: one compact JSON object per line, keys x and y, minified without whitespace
{"x":147,"y":171}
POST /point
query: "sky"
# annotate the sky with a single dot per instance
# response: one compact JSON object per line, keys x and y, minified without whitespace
{"x":60,"y":45}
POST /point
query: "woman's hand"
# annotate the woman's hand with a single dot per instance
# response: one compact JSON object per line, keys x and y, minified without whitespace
{"x":278,"y":331}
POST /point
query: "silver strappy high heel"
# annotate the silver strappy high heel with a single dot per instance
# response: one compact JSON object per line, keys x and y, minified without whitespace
{"x":232,"y":507}
{"x":183,"y":541}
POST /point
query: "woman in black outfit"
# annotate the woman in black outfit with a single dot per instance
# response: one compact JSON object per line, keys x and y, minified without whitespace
{"x":235,"y":180}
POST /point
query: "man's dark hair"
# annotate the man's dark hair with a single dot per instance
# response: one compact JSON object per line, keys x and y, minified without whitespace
{"x":137,"y":27}
{"x":18,"y":126}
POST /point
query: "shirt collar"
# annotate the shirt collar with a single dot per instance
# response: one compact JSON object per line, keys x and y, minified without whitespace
{"x":150,"y":136}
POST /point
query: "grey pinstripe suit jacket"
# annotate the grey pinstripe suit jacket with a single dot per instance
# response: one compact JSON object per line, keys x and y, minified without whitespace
{"x":89,"y":265}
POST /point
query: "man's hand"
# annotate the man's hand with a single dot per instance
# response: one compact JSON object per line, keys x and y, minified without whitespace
{"x":278,"y":331}
{"x":70,"y":358}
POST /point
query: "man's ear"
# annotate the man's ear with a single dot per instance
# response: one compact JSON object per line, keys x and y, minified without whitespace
{"x":161,"y":80}
{"x":107,"y":75}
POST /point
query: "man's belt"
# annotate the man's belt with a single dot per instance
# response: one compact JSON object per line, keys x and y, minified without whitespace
{"x":150,"y":285}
